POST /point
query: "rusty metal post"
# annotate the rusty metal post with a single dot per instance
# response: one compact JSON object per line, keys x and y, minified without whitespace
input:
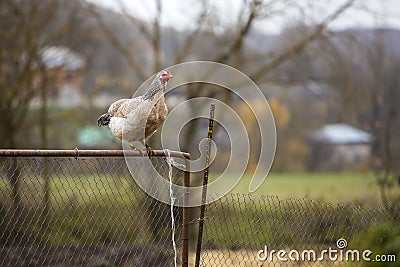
{"x":76,"y":153}
{"x":186,"y":214}
{"x":205,"y":182}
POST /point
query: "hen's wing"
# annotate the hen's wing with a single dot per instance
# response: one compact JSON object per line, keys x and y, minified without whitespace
{"x":121,"y":108}
{"x":116,"y":108}
{"x":135,"y":121}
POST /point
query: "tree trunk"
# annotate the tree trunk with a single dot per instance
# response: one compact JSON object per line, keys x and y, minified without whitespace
{"x":45,"y":163}
{"x":14,"y":174}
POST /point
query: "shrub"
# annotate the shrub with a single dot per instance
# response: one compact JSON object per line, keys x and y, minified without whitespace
{"x":381,"y":239}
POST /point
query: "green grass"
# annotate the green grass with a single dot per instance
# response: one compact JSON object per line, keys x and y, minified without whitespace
{"x":94,"y":209}
{"x":251,"y":221}
{"x":101,"y":209}
{"x":347,"y":187}
{"x":254,"y":222}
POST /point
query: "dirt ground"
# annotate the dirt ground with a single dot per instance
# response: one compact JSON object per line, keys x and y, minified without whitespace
{"x":247,"y":258}
{"x":147,"y":256}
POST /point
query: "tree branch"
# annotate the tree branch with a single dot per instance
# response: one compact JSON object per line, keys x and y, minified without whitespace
{"x":188,"y":44}
{"x":116,"y":42}
{"x":240,"y":36}
{"x":278,"y":60}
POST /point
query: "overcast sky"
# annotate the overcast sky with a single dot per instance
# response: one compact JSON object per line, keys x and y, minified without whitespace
{"x":181,"y":13}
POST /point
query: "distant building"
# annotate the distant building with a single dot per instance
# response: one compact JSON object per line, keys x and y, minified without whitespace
{"x":65,"y":69}
{"x":339,"y":147}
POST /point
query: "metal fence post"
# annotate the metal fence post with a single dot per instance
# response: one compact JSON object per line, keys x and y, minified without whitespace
{"x":205,"y":182}
{"x":186,"y":215}
{"x":69,"y":168}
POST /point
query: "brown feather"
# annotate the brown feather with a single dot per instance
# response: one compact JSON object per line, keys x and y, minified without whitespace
{"x":156,"y":117}
{"x":119,"y":108}
{"x":128,"y":115}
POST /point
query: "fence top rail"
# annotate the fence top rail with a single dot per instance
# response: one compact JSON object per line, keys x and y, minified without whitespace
{"x":86,"y":153}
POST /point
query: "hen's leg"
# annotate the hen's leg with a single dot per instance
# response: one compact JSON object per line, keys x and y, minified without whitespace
{"x":135,"y":148}
{"x":132,"y":145}
{"x":150,"y":151}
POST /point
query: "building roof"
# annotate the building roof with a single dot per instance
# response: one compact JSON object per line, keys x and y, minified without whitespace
{"x":93,"y":136}
{"x":58,"y":56}
{"x":341,"y":134}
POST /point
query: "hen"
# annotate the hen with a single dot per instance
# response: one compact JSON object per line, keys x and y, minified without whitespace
{"x":137,"y":119}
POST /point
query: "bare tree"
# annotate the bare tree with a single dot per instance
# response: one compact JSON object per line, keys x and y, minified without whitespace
{"x":382,"y":95}
{"x":22,"y":70}
{"x":19,"y":54}
{"x":230,"y":53}
{"x":364,"y":71}
{"x":23,"y":74}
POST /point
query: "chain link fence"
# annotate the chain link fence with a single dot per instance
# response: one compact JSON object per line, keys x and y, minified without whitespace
{"x":88,"y":211}
{"x":237,"y":227}
{"x":84,"y":211}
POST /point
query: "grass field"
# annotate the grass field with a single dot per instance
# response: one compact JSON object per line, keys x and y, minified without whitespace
{"x":346,"y":187}
{"x":105,"y":209}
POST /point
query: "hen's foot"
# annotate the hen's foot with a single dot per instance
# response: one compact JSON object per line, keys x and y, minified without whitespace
{"x":142,"y":150}
{"x":150,"y":151}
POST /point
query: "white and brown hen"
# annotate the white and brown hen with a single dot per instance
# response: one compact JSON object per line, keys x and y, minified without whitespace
{"x":137,"y":119}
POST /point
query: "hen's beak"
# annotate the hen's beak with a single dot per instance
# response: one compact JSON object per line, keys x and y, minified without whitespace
{"x":170,"y":76}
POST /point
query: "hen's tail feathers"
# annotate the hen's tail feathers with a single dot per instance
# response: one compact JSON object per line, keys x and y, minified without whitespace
{"x":104,"y":120}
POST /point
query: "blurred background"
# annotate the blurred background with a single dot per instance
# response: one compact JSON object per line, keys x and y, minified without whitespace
{"x":329,"y":71}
